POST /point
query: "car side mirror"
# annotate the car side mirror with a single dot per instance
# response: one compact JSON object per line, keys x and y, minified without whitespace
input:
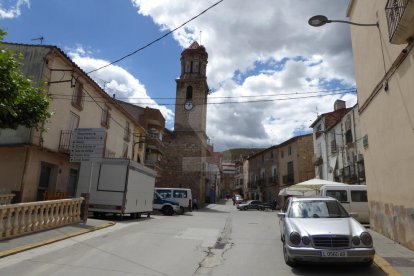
{"x":281,"y":215}
{"x":354,"y":215}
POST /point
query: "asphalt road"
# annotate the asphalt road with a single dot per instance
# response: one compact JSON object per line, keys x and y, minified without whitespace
{"x":218,"y":240}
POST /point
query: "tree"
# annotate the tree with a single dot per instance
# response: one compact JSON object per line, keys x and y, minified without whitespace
{"x":21,"y":103}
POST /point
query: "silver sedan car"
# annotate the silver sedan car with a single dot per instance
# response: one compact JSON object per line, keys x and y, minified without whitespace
{"x":319,"y":229}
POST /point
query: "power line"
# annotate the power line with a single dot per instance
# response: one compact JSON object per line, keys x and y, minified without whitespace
{"x":345,"y":90}
{"x":156,"y":40}
{"x":216,"y":103}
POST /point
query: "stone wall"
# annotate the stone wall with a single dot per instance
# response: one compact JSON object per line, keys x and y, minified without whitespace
{"x":393,"y":221}
{"x":185,"y":153}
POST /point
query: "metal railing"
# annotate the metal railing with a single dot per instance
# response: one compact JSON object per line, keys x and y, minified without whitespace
{"x":64,"y":141}
{"x":288,"y":179}
{"x":394,"y":10}
{"x":273,"y":180}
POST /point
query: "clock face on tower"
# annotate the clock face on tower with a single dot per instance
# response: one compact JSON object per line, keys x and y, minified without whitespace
{"x":188,"y":105}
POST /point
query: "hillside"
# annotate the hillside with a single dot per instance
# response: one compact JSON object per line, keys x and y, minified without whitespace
{"x":234,"y":154}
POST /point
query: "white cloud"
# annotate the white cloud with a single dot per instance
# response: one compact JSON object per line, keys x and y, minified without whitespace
{"x":116,"y":80}
{"x":14,"y":10}
{"x":241,"y":37}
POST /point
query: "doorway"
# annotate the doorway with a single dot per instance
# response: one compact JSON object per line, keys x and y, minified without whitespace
{"x":47,"y":179}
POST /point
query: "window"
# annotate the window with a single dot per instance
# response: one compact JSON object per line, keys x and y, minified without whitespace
{"x":127,"y":132}
{"x":77,"y":96}
{"x":153,"y":134}
{"x":271,"y":155}
{"x":340,"y":195}
{"x":73,"y":121}
{"x":348,"y":136}
{"x":179,"y":194}
{"x":290,"y":168}
{"x":281,"y":153}
{"x":333,"y":145}
{"x":105,"y":116}
{"x":189,"y":93}
{"x":165,"y":193}
{"x":125,"y":151}
{"x":359,"y":196}
{"x":289,"y":150}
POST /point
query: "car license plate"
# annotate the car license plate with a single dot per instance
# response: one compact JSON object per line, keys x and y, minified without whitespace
{"x":333,"y":254}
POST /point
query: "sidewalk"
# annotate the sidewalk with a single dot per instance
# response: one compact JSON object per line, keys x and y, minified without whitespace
{"x":23,"y":243}
{"x":391,"y":257}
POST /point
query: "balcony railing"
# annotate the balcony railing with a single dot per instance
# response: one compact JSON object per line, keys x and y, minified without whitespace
{"x":273,"y":180}
{"x":65,"y":139}
{"x":260,"y":182}
{"x":349,"y":174}
{"x":399,"y":15}
{"x":288,"y":179}
{"x":317,"y":160}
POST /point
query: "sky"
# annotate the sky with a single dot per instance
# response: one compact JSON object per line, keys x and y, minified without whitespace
{"x":269,"y":72}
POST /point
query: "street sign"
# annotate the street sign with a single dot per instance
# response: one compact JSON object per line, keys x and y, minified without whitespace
{"x":87,"y":144}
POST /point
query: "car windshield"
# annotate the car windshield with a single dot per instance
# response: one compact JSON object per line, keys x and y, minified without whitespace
{"x":317,"y":209}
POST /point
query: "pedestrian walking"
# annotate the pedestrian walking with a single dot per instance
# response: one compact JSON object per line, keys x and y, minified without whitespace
{"x":195,"y":203}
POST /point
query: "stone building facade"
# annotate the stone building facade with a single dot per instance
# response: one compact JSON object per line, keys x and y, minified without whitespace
{"x":186,"y":147}
{"x":280,"y":166}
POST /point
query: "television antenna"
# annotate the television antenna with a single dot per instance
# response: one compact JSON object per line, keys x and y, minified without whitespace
{"x":40,"y":38}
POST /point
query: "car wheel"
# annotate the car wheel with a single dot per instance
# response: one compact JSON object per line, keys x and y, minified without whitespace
{"x":245,"y":208}
{"x":288,"y":260}
{"x":368,"y":264}
{"x":182,"y":210}
{"x":167,"y":211}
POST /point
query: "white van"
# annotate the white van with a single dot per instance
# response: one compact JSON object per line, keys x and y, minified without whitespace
{"x":180,"y":195}
{"x":352,"y":197}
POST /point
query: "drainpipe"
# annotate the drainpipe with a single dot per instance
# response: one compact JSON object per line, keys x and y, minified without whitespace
{"x":24,"y":172}
{"x":356,"y":145}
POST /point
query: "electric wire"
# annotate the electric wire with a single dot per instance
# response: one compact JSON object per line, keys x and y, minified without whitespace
{"x":350,"y":90}
{"x":156,"y":40}
{"x":213,"y":103}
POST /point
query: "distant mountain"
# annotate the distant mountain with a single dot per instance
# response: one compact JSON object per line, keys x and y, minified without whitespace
{"x":234,"y":154}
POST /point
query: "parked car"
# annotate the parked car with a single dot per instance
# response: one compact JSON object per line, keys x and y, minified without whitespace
{"x":238,"y":199}
{"x":167,"y":207}
{"x":181,"y":195}
{"x":319,"y":229}
{"x":251,"y":204}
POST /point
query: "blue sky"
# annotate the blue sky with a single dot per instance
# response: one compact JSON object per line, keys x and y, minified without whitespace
{"x":257,"y":51}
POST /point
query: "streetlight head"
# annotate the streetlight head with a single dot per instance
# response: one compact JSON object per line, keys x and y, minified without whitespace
{"x":318,"y":20}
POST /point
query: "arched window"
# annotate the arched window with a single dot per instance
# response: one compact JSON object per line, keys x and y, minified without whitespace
{"x":189,"y":93}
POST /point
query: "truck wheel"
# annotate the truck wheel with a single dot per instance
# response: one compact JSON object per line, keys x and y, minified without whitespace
{"x":148,"y":215}
{"x":96,"y":215}
{"x":167,"y":211}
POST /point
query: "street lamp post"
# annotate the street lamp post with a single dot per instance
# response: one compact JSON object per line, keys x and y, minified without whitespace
{"x":320,"y":20}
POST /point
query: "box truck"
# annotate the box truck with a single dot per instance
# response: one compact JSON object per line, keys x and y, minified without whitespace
{"x":117,"y":186}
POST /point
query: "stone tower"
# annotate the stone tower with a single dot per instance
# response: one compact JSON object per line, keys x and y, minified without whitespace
{"x":186,"y":148}
{"x":192,"y":90}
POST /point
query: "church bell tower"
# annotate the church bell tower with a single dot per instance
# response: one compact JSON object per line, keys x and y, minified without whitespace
{"x":192,"y":90}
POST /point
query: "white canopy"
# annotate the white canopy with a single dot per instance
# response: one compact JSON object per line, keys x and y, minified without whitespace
{"x":309,"y":187}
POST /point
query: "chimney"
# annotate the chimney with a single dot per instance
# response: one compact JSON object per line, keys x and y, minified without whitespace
{"x":339,"y":104}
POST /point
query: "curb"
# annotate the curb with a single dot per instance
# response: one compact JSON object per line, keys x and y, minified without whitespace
{"x":22,"y":248}
{"x":385,"y":266}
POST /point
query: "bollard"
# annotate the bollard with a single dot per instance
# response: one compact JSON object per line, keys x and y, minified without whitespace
{"x":85,"y":207}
